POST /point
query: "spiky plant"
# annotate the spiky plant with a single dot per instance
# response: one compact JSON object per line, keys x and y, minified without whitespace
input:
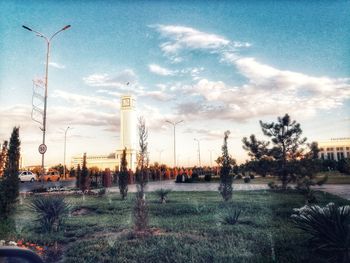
{"x":329,"y":228}
{"x":162,"y":194}
{"x":51,"y":211}
{"x":231,"y":216}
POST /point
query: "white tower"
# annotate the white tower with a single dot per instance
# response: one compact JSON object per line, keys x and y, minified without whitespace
{"x":128,"y":129}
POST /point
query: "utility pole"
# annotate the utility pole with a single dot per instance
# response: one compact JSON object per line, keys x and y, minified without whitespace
{"x":174,"y":124}
{"x":64,"y":154}
{"x":42,"y":147}
{"x":199,"y":152}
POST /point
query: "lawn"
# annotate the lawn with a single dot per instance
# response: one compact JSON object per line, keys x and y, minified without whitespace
{"x":188,"y":228}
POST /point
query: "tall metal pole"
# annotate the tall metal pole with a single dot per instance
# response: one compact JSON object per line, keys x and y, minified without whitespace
{"x":64,"y":154}
{"x":174,"y":124}
{"x":199,"y":152}
{"x":211,"y":163}
{"x":48,"y":41}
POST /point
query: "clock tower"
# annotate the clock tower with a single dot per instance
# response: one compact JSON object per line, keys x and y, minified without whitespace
{"x":128,"y":129}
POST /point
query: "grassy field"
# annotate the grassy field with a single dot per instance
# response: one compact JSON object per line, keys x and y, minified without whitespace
{"x":188,"y":228}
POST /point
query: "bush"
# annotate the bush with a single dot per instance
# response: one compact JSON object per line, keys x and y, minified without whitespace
{"x":101,"y":192}
{"x":162,"y":194}
{"x":178,"y":179}
{"x":247,"y":179}
{"x":238,"y":176}
{"x":51,"y":211}
{"x":231,"y":216}
{"x":329,"y":228}
{"x":252,"y":176}
{"x":195,"y":177}
{"x":344,"y":166}
{"x":207,"y":177}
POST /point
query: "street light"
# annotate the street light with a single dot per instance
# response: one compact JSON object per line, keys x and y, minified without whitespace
{"x":48,"y":41}
{"x":199,"y":151}
{"x":174,"y":124}
{"x":160,"y":155}
{"x":211,"y":163}
{"x":64,"y":154}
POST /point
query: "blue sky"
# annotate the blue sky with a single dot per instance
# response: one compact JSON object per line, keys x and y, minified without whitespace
{"x":217,"y":65}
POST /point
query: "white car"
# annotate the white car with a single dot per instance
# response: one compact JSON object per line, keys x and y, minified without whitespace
{"x":27,"y":176}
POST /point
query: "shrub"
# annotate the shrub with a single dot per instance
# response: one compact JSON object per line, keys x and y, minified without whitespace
{"x":195,"y":177}
{"x":252,"y":176}
{"x":231,"y":216}
{"x":162,"y":194}
{"x":101,"y":192}
{"x":329,"y":228}
{"x":238,"y":176}
{"x":272,"y":185}
{"x":51,"y":211}
{"x":207,"y":177}
{"x":178,"y":179}
{"x":247,"y":179}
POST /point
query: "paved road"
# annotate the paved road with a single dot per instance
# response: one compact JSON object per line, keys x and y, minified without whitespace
{"x":340,"y":190}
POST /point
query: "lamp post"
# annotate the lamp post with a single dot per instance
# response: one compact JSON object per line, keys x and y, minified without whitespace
{"x":174,"y":124}
{"x":199,"y":151}
{"x":48,"y":41}
{"x":211,"y":163}
{"x":160,"y":156}
{"x":64,"y":153}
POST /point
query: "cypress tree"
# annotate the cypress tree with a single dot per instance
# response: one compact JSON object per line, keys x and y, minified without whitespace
{"x":9,"y":186}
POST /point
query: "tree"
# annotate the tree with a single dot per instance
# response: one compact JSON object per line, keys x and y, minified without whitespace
{"x":78,"y":173}
{"x":84,"y":181}
{"x":256,"y":149}
{"x":3,"y":158}
{"x":226,"y":178}
{"x":286,"y":139}
{"x":141,"y":207}
{"x":123,"y":176}
{"x":9,"y":186}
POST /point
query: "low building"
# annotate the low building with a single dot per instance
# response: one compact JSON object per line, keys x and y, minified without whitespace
{"x":334,"y":149}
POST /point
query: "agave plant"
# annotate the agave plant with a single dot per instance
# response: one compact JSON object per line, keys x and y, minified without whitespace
{"x":329,"y":228}
{"x":50,"y":211}
{"x":163,"y":193}
{"x":231,"y":216}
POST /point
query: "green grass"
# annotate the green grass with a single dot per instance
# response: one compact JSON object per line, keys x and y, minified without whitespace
{"x":188,"y":228}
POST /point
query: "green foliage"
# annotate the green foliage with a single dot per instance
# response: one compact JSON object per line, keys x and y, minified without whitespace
{"x":51,"y":211}
{"x":207,"y":177}
{"x":101,"y":192}
{"x":247,"y":179}
{"x":256,"y":149}
{"x":140,"y":211}
{"x":162,"y":194}
{"x":9,"y":186}
{"x":329,"y":228}
{"x":3,"y":157}
{"x":226,"y":179}
{"x":231,"y":216}
{"x":123,"y":176}
{"x":84,"y":180}
{"x":344,"y":166}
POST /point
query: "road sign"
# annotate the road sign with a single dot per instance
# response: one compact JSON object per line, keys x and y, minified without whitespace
{"x":42,"y":148}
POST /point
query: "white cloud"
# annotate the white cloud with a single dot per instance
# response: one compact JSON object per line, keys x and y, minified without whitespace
{"x":178,"y":38}
{"x":83,"y":100}
{"x":118,"y":80}
{"x":56,"y":65}
{"x":156,"y":69}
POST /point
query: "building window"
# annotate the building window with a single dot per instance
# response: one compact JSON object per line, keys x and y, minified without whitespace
{"x":341,"y":155}
{"x":322,"y":156}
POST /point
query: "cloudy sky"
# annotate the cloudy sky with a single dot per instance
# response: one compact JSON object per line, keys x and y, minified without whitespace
{"x":217,"y":65}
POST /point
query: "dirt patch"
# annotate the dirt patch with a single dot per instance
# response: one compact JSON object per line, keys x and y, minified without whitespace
{"x":82,"y":212}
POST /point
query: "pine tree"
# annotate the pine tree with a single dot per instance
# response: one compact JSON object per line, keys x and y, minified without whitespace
{"x":84,"y":181}
{"x":123,"y":176}
{"x":226,"y":179}
{"x":78,"y":173}
{"x":9,"y":186}
{"x":286,"y":138}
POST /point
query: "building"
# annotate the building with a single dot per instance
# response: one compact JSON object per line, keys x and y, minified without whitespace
{"x":334,"y":149}
{"x":128,"y":139}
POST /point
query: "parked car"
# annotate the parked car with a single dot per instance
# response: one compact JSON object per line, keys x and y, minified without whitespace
{"x":51,"y":176}
{"x":27,"y":176}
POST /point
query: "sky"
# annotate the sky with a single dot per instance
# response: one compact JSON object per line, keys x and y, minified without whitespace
{"x":216,"y":65}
